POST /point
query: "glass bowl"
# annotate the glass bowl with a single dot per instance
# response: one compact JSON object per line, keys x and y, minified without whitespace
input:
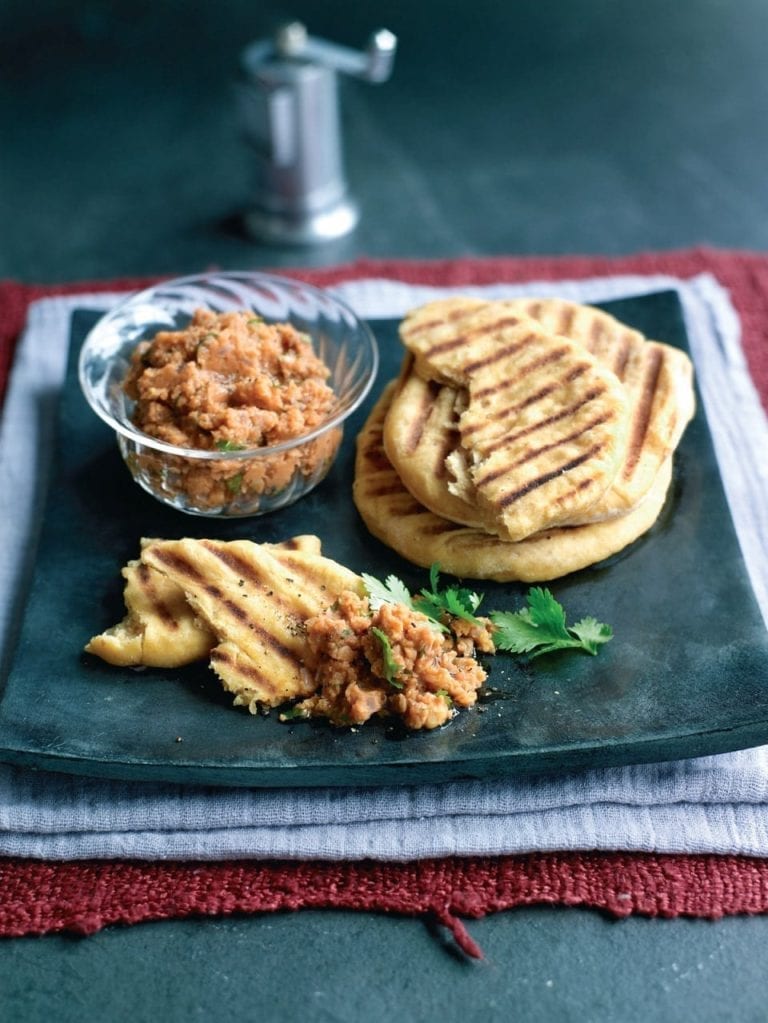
{"x":231,"y":482}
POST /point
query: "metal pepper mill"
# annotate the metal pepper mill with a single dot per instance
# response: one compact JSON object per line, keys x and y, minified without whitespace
{"x":290,"y":111}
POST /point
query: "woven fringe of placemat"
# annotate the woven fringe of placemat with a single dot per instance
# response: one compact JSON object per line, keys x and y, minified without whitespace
{"x":40,"y":897}
{"x":83,"y":897}
{"x":744,"y":274}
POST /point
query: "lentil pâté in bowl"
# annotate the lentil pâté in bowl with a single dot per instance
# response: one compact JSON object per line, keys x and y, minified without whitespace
{"x":228,"y":392}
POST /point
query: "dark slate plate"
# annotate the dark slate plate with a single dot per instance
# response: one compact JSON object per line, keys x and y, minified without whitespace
{"x":687,"y":672}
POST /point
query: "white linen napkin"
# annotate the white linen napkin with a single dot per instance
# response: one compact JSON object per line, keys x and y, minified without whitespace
{"x":712,"y":804}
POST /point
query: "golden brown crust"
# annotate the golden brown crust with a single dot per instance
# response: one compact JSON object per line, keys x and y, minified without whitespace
{"x":544,"y":429}
{"x":160,"y":629}
{"x":257,"y":607}
{"x":657,"y":378}
{"x":421,"y":429}
{"x":396,"y":518}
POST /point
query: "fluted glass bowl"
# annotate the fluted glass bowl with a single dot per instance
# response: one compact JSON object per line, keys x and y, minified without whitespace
{"x":228,"y":483}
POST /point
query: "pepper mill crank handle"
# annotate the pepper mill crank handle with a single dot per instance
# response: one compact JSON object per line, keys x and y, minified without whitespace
{"x":289,"y":111}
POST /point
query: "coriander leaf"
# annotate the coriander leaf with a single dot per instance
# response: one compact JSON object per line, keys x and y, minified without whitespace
{"x":540,"y":628}
{"x":515,"y":632}
{"x":394,"y":591}
{"x":229,"y":445}
{"x":546,"y":613}
{"x":592,"y":633}
{"x":462,"y":603}
{"x":391,"y":667}
{"x":456,"y":600}
{"x":391,"y":591}
{"x":430,"y":606}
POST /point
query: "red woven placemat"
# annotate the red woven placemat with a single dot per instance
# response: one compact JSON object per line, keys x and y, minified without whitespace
{"x":83,"y":897}
{"x":40,"y":897}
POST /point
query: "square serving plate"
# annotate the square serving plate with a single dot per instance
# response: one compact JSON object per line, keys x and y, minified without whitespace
{"x":685,"y":675}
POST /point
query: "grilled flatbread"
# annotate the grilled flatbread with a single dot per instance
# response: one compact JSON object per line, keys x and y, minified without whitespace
{"x":544,"y":431}
{"x":438,"y":334}
{"x":657,"y":378}
{"x":396,"y":518}
{"x":421,"y":433}
{"x":160,"y":629}
{"x":256,"y":605}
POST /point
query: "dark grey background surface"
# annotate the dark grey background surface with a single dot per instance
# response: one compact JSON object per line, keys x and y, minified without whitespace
{"x":509,"y":128}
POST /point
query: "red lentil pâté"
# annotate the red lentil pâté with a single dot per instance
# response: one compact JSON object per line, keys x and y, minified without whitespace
{"x":231,"y":382}
{"x":437,"y":671}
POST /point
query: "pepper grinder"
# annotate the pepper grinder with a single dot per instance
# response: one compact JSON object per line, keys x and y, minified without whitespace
{"x":289,"y":108}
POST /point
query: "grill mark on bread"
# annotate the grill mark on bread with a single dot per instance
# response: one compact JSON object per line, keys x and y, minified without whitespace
{"x":582,"y":485}
{"x":456,"y":314}
{"x":458,"y":341}
{"x":470,"y":540}
{"x":556,"y":417}
{"x":247,"y":671}
{"x":622,"y":357}
{"x":224,"y":602}
{"x":375,"y":458}
{"x":439,"y":527}
{"x":421,"y":417}
{"x":410,"y":507}
{"x":184,"y":567}
{"x":596,"y":331}
{"x":498,"y":354}
{"x":385,"y":489}
{"x":179,"y":564}
{"x":496,"y":388}
{"x":445,"y":346}
{"x":242,"y":568}
{"x":546,"y":477}
{"x":641,"y":419}
{"x":158,"y":606}
{"x":543,"y":449}
{"x":375,"y":453}
{"x":544,"y":360}
{"x":569,"y":312}
{"x":270,"y":641}
{"x":246,"y":570}
{"x":531,"y":399}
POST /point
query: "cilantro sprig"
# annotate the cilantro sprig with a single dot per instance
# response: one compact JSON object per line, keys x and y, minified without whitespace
{"x":456,"y":600}
{"x":435,"y":603}
{"x":540,"y":628}
{"x":391,"y":591}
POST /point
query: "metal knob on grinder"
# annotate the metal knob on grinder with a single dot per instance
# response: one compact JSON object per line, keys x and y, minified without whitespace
{"x":290,"y":110}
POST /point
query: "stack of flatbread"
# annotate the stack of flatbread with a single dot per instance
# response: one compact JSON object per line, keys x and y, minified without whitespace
{"x":523,"y":440}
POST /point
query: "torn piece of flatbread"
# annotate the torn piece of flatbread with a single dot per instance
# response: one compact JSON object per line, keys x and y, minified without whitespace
{"x":160,"y":629}
{"x":256,"y":602}
{"x":395,"y":517}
